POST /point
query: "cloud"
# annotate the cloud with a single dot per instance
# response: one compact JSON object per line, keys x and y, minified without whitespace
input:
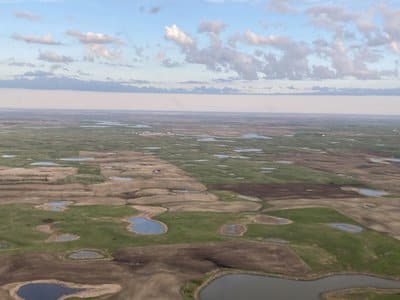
{"x":100,"y":51}
{"x":154,"y":10}
{"x":37,"y":74}
{"x":42,"y":80}
{"x":27,"y":16}
{"x":93,"y":38}
{"x":44,"y":40}
{"x":173,"y":33}
{"x":95,"y":44}
{"x":53,"y":57}
{"x":13,"y":63}
{"x":169,"y":63}
{"x":290,"y":63}
{"x":215,"y":57}
{"x":212,"y":27}
{"x":281,"y":6}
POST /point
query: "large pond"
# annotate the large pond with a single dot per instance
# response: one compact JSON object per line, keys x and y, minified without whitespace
{"x":45,"y":291}
{"x":142,"y":225}
{"x":255,"y":287}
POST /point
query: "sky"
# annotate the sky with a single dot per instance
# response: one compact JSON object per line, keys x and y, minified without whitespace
{"x":244,"y":47}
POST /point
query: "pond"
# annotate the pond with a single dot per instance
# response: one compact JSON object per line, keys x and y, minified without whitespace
{"x":207,"y":139}
{"x":371,"y":192}
{"x":4,"y":245}
{"x":255,"y":136}
{"x":256,"y":287}
{"x":66,"y":237}
{"x":146,"y":226}
{"x":346,"y":227}
{"x":284,"y":162}
{"x":117,"y":178}
{"x":45,"y":291}
{"x":85,"y":255}
{"x":78,"y":159}
{"x":233,"y":229}
{"x":57,"y":205}
{"x":249,"y":150}
{"x":44,"y":164}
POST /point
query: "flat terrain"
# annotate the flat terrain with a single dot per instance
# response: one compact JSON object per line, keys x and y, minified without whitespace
{"x":282,"y":179}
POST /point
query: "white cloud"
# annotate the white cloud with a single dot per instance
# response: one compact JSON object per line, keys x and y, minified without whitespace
{"x":44,"y":40}
{"x":53,"y":57}
{"x":173,"y":33}
{"x":212,"y":27}
{"x":27,"y":16}
{"x":100,"y":51}
{"x":94,"y":38}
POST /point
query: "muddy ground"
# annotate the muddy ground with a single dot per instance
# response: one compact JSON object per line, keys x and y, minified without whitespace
{"x":155,"y":272}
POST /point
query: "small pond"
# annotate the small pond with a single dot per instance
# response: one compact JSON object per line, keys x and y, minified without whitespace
{"x":371,"y":192}
{"x":45,"y":291}
{"x":255,"y":136}
{"x":117,"y":178}
{"x":57,"y":205}
{"x":4,"y":245}
{"x":346,"y":227}
{"x":207,"y":139}
{"x":255,"y":287}
{"x":233,"y":229}
{"x":249,"y":150}
{"x":146,"y":226}
{"x":66,"y":237}
{"x":44,"y":164}
{"x":85,"y":255}
{"x":284,"y":162}
{"x":78,"y":159}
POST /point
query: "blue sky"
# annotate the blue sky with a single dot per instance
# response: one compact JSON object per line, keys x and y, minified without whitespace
{"x":204,"y":46}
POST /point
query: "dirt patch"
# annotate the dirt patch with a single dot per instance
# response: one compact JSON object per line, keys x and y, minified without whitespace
{"x":152,"y":272}
{"x":286,"y":191}
{"x":149,"y":211}
{"x":45,"y":228}
{"x":34,"y":175}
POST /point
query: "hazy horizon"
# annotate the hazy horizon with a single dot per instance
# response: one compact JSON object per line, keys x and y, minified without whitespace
{"x":325,"y":104}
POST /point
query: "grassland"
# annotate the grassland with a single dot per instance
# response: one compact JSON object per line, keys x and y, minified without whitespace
{"x":101,"y":227}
